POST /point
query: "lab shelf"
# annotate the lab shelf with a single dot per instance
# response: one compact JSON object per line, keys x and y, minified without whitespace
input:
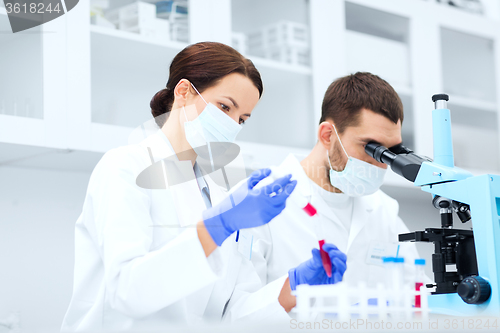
{"x":468,"y":63}
{"x":250,"y":15}
{"x":475,"y":139}
{"x":368,"y":20}
{"x":408,"y":126}
{"x":135,"y":37}
{"x":388,"y":58}
{"x":96,"y":112}
{"x":27,"y":156}
{"x":273,"y":64}
{"x":22,"y":131}
{"x":22,"y":94}
{"x":126,"y":71}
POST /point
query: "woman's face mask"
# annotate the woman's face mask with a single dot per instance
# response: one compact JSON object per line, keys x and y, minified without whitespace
{"x":358,"y":178}
{"x":211,"y":125}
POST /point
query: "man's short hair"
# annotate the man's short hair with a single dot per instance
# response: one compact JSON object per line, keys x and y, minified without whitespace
{"x":346,"y":96}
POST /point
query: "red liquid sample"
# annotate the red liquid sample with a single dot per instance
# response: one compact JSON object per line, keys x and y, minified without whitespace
{"x":310,"y":210}
{"x":417,"y":297}
{"x":327,"y":263}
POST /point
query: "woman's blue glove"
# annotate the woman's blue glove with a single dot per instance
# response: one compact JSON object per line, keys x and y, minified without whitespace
{"x":248,"y":207}
{"x":312,"y":272}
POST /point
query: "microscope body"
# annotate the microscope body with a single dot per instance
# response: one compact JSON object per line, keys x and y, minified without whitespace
{"x":473,"y":289}
{"x":482,"y":194}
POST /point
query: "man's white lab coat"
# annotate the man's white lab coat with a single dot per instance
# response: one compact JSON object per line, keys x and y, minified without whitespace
{"x":288,"y":239}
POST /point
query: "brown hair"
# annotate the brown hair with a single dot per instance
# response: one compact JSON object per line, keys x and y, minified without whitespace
{"x":346,"y":96}
{"x":203,"y":64}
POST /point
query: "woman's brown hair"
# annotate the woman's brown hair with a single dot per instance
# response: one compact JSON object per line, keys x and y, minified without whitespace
{"x":203,"y":64}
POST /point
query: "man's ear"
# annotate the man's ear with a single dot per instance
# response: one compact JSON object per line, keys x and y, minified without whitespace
{"x":325,"y":132}
{"x":182,"y":91}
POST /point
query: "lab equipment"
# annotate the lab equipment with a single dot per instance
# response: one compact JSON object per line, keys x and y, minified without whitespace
{"x":283,"y":41}
{"x":169,"y":8}
{"x":419,"y":279}
{"x":177,"y":14}
{"x":390,"y":272}
{"x":394,"y":267}
{"x":342,"y":303}
{"x":140,"y":17}
{"x":473,"y":288}
{"x":471,"y":6}
{"x":312,"y":272}
{"x":301,"y":201}
{"x":247,"y":207}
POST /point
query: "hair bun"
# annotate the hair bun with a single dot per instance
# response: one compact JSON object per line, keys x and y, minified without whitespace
{"x":160,"y":103}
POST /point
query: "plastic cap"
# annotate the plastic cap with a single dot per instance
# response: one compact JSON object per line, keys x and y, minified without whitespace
{"x":420,"y":262}
{"x":440,"y":97}
{"x":388,"y":259}
{"x":399,"y":260}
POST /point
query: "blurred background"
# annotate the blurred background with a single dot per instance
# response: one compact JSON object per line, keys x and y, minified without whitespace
{"x":77,"y":86}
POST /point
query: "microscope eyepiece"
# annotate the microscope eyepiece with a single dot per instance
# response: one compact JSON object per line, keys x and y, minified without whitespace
{"x":401,"y":159}
{"x":380,"y":153}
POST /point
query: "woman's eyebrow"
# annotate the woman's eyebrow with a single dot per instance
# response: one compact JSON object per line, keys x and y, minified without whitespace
{"x":232,"y":101}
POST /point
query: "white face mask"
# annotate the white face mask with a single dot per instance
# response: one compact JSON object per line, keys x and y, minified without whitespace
{"x":211,"y":125}
{"x":358,"y":177}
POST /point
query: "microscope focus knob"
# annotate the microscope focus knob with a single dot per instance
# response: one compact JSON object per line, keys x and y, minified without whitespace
{"x":474,"y":290}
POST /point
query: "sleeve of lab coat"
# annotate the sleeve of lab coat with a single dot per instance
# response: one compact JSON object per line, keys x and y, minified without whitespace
{"x":250,"y":302}
{"x":254,"y":299}
{"x":138,"y":281}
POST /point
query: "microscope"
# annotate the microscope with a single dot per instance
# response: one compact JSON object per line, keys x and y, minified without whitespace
{"x":473,"y":289}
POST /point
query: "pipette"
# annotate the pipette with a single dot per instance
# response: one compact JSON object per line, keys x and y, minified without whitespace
{"x":301,"y":201}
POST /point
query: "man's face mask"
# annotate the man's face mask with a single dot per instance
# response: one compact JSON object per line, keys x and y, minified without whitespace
{"x":358,"y":177}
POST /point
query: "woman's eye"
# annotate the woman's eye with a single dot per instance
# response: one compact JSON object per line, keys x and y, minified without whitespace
{"x":224,"y":107}
{"x":242,"y":122}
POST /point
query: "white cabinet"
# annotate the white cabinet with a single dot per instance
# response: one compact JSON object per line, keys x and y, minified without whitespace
{"x":32,"y":89}
{"x":86,"y":87}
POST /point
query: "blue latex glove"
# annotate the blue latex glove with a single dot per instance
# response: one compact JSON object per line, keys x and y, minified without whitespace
{"x":248,"y":207}
{"x":312,"y":272}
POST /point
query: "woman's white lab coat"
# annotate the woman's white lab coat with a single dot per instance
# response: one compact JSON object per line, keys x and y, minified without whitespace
{"x":138,"y":261}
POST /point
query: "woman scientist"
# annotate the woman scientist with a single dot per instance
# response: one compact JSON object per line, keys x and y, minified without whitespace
{"x":146,"y":257}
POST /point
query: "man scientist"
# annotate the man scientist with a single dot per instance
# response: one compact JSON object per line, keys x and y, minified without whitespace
{"x":342,"y":182}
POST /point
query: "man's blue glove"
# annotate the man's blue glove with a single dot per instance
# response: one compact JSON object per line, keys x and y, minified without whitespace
{"x":248,"y":207}
{"x":312,"y":272}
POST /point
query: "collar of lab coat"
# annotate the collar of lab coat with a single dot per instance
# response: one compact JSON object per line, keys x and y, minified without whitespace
{"x":362,"y":206}
{"x":186,"y":195}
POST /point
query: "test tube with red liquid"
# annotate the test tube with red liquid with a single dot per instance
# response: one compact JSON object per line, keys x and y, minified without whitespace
{"x":419,"y":279}
{"x":306,"y":206}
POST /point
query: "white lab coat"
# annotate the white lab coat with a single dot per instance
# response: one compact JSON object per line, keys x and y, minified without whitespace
{"x":135,"y":266}
{"x":287,"y":240}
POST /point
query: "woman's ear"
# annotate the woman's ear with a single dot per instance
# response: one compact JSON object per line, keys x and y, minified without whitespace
{"x":325,"y":132}
{"x":181,"y":92}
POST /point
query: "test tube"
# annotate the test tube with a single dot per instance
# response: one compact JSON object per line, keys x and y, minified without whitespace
{"x":419,"y":279}
{"x":301,"y":201}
